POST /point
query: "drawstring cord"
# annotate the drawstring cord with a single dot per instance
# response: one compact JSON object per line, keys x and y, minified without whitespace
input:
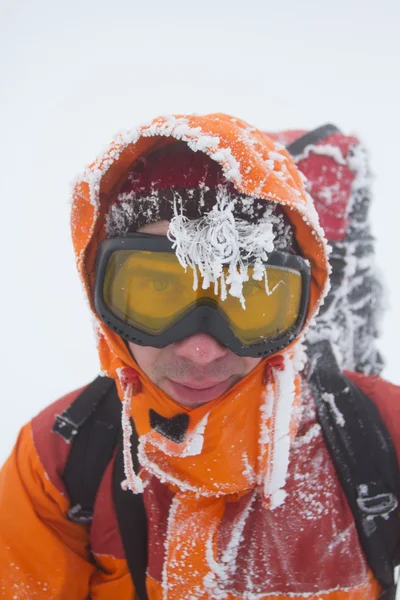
{"x":130,"y":383}
{"x":276,"y":362}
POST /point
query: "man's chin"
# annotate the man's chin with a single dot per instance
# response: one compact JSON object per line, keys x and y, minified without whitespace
{"x":196,"y":394}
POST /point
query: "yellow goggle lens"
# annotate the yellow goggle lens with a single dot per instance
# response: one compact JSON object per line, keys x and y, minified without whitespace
{"x":151,"y":291}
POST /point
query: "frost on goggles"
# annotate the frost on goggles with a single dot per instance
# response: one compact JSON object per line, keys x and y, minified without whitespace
{"x":151,"y":291}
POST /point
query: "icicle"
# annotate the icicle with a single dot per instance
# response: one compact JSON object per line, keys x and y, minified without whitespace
{"x":219,"y":241}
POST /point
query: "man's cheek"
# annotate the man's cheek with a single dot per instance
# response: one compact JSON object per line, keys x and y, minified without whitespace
{"x":250,"y":363}
{"x":146,"y":357}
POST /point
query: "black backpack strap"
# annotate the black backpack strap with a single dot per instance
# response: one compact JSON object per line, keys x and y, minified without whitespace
{"x":69,"y":422}
{"x":92,"y":423}
{"x":132,"y":519}
{"x":365,"y":461}
{"x":311,"y":137}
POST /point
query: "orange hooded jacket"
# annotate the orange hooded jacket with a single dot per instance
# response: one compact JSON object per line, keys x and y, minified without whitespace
{"x":229,"y":516}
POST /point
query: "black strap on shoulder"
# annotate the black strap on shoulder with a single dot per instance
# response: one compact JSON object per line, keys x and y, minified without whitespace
{"x":93,"y":420}
{"x":132,"y":519}
{"x":365,"y":461}
{"x":312,"y":137}
{"x":69,"y":422}
{"x":93,"y":424}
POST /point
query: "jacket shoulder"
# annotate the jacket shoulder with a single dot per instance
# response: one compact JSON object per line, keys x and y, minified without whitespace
{"x":386,"y":397}
{"x":34,"y":533}
{"x":52,"y":448}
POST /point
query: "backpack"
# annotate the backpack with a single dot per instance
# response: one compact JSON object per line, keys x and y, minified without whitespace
{"x":338,"y":179}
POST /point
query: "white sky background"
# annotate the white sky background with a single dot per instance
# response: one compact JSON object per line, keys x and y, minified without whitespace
{"x":72,"y":75}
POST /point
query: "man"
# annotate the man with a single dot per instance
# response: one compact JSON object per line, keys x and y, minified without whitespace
{"x":204,"y":265}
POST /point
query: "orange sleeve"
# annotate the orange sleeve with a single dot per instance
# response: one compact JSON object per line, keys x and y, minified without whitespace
{"x":42,"y":554}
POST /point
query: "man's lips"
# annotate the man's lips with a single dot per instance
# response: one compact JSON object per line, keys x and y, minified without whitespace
{"x":195,"y":393}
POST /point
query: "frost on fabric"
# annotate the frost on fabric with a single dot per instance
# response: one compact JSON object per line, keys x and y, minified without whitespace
{"x":322,"y":149}
{"x":350,"y":315}
{"x":357,"y":161}
{"x":220,"y":246}
{"x":222,"y":570}
{"x":194,"y":444}
{"x":248,"y":470}
{"x":281,"y":446}
{"x":258,"y":543}
{"x":313,"y":432}
{"x":276,"y":161}
{"x":162,"y":472}
{"x":170,"y":526}
{"x":314,"y":489}
{"x":133,"y":481}
{"x":179,"y":128}
{"x":330,"y":400}
{"x":277,"y":164}
{"x":277,"y":408}
{"x":17,"y":585}
{"x":299,"y":355}
{"x":171,"y":126}
{"x":127,"y":211}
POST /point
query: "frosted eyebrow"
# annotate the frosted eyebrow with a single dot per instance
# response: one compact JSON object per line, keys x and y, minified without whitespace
{"x":218,"y":240}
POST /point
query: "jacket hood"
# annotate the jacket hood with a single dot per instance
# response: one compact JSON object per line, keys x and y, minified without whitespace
{"x":253,"y":450}
{"x":255,"y":164}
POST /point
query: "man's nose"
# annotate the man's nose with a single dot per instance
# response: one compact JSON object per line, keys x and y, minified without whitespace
{"x":200,"y":349}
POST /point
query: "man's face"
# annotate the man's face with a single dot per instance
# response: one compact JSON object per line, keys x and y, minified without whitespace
{"x":195,"y":370}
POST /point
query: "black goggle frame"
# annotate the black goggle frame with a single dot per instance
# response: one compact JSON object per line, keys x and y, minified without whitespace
{"x":202,"y":319}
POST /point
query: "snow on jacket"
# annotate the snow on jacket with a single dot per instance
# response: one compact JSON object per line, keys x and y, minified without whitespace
{"x":248,"y":505}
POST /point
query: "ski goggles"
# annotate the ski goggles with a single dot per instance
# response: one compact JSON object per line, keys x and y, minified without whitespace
{"x":144,"y":294}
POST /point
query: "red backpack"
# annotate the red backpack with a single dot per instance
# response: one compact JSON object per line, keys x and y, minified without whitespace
{"x":338,"y":179}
